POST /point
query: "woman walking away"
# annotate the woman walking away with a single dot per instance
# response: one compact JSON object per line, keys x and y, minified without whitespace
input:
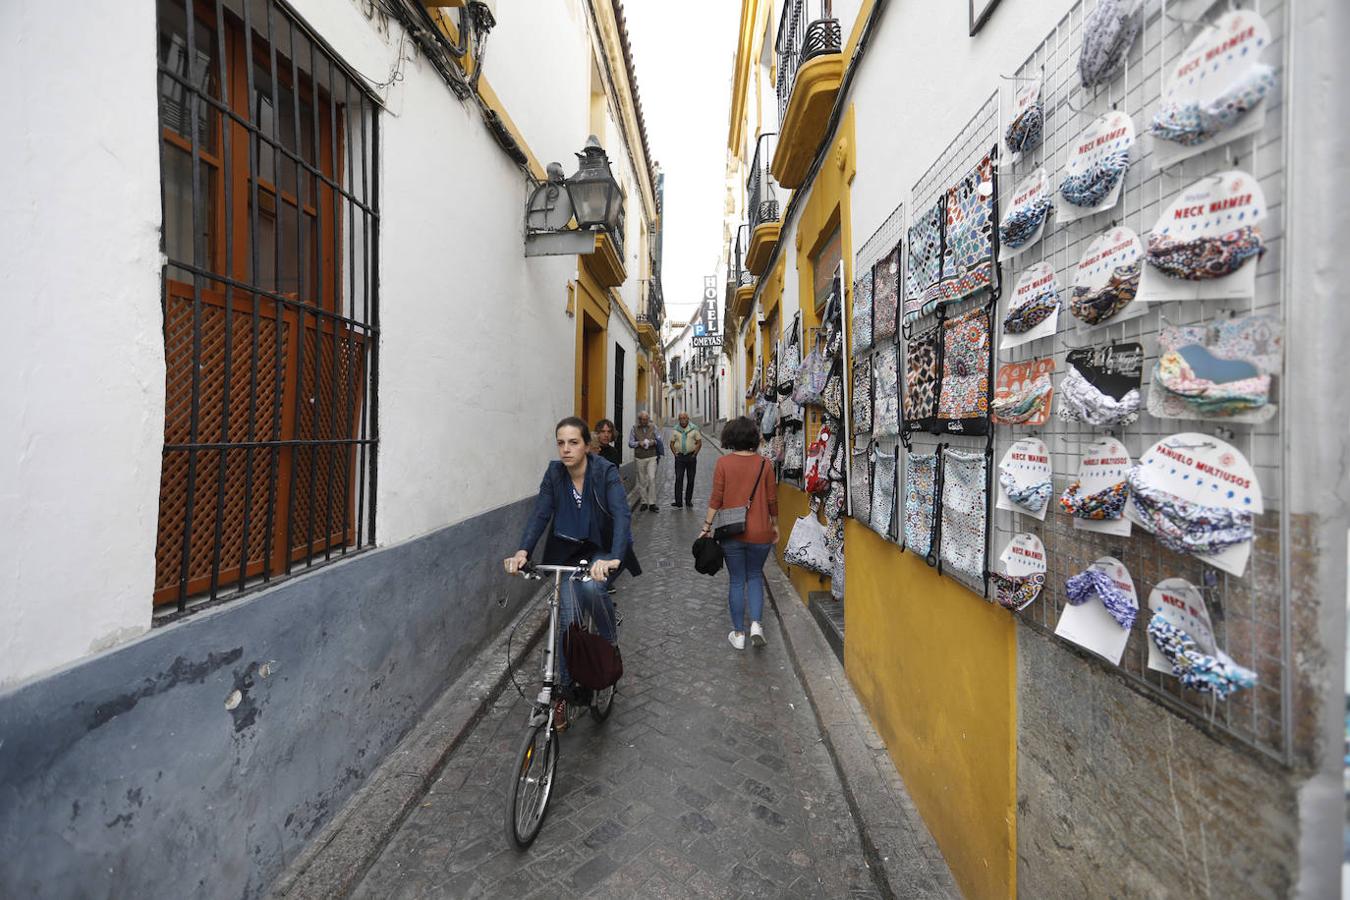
{"x":744,"y":479}
{"x":582,"y":498}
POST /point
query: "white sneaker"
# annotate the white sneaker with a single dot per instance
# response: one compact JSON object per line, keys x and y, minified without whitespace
{"x":756,"y":634}
{"x":737,"y":639}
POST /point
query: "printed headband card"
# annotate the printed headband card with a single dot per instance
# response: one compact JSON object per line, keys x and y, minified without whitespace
{"x":1205,"y":471}
{"x":1105,"y":464}
{"x":1023,"y":381}
{"x":1219,"y":373}
{"x":1031,"y":190}
{"x":1213,"y":207}
{"x":1183,"y":606}
{"x":1034,"y":282}
{"x":1026,"y":97}
{"x":1220,"y":58}
{"x":1090,"y":625}
{"x":1113,"y":258}
{"x":1109,"y":134}
{"x":1115,"y":370}
{"x":1024,"y":555}
{"x":1027,"y":464}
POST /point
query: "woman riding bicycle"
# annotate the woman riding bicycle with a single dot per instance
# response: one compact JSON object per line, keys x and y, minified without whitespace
{"x":583,"y":496}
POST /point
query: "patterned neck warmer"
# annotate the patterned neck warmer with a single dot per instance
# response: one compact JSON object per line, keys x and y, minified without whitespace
{"x":1017,"y":592}
{"x":1079,"y":401}
{"x":1173,"y":374}
{"x":1097,"y":306}
{"x":1198,"y":671}
{"x":1017,"y":409}
{"x":1032,"y":497}
{"x":1022,"y":222}
{"x":1190,"y":123}
{"x":1090,"y":187}
{"x":1108,"y":34}
{"x":1083,"y":586}
{"x":1204,"y":258}
{"x":1186,"y":527}
{"x":1108,"y":503}
{"x":1024,"y":132}
{"x":1032,"y":313}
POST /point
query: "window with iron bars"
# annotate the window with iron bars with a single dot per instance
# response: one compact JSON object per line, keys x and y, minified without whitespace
{"x":270,"y":191}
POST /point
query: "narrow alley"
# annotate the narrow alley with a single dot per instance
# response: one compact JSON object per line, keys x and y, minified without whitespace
{"x":709,"y":779}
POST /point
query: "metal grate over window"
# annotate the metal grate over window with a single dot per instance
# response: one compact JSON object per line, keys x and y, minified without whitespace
{"x":270,"y":191}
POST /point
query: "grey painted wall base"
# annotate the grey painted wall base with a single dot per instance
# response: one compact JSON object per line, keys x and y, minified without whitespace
{"x":128,"y":776}
{"x":1118,"y":797}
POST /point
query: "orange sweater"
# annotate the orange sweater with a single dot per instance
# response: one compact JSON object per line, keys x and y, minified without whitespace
{"x":733,"y":480}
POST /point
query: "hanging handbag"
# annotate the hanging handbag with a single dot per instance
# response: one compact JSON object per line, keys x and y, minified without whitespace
{"x":816,"y":479}
{"x":730,"y":521}
{"x":806,"y":545}
{"x":769,"y":423}
{"x":811,"y":378}
{"x":833,"y":396}
{"x":789,"y":360}
{"x":789,"y":413}
{"x":794,"y":453}
{"x":708,"y":556}
{"x":594,"y":662}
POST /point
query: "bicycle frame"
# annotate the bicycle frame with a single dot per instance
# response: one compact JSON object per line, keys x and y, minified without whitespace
{"x":543,"y":704}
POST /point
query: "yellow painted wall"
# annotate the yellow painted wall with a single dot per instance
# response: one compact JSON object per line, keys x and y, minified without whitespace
{"x":792,"y":504}
{"x":936,"y":668}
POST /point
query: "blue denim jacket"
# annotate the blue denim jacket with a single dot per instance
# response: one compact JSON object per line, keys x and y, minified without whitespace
{"x":604,"y":522}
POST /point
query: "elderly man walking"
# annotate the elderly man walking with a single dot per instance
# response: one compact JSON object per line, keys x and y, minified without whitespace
{"x":645,"y":439}
{"x":685,"y":442}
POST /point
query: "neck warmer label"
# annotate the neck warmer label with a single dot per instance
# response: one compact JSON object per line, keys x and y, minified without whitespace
{"x":1025,"y":124}
{"x":1218,"y":58}
{"x":1023,"y":392}
{"x":1199,"y":470}
{"x":1105,"y":284}
{"x":1026,"y":465}
{"x":1023,"y":572}
{"x":1105,"y":465}
{"x":1182,"y":642}
{"x":1091,"y":625}
{"x":1213,"y":225}
{"x":1024,"y":222}
{"x":1036,"y":285}
{"x":1095,"y":169}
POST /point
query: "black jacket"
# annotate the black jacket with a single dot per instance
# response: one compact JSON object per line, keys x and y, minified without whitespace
{"x":608,"y":532}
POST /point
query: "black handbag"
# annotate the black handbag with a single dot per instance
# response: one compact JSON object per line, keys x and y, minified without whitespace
{"x":708,"y":556}
{"x":732,"y":521}
{"x":594,"y":662}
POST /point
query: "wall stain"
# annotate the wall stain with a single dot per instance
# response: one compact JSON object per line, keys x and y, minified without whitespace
{"x":246,"y":714}
{"x":180,"y":672}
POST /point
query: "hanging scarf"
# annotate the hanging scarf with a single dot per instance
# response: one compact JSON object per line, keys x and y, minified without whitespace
{"x":1190,"y":123}
{"x":1024,"y":132}
{"x":1108,"y":503}
{"x":1022,"y":222}
{"x":1183,"y":526}
{"x":1204,"y":258}
{"x":1017,"y":409}
{"x":1017,"y":592}
{"x":1032,"y":313}
{"x":1173,"y":374}
{"x":1198,"y":671}
{"x":1032,"y":497}
{"x":1080,"y":401}
{"x":1093,"y":307}
{"x":1108,"y":34}
{"x":1089,"y":188}
{"x":1081,"y":588}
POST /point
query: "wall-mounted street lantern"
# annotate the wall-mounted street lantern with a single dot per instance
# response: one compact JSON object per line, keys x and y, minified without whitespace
{"x":564,"y":214}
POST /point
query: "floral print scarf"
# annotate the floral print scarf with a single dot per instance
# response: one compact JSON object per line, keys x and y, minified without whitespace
{"x":965,"y":367}
{"x":968,"y":242}
{"x":924,"y":250}
{"x":886,"y":295}
{"x":963,"y":512}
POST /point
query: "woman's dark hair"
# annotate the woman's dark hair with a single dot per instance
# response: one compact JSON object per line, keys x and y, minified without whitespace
{"x":741,"y":434}
{"x":574,"y":422}
{"x":604,"y":423}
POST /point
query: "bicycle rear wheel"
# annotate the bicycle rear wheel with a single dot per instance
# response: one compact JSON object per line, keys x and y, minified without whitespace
{"x":531,"y":784}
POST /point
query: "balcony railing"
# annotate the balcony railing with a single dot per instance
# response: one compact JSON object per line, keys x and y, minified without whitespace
{"x":807,"y":29}
{"x":743,"y":276}
{"x":620,"y":230}
{"x":761,"y":186}
{"x":653,"y":309}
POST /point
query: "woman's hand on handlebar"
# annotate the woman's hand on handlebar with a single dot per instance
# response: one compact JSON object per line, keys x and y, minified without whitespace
{"x":513,"y":564}
{"x":603,"y":568}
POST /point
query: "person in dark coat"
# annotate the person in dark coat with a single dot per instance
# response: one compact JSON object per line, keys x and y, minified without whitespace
{"x":584,"y":509}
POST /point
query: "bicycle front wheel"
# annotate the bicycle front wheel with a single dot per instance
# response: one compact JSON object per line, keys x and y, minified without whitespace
{"x":603,"y":703}
{"x":531,"y":784}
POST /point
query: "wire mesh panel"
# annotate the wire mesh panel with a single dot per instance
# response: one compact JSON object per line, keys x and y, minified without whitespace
{"x":1250,"y":613}
{"x":269,"y":168}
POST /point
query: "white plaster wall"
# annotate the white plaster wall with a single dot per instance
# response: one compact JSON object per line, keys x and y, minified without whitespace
{"x":82,"y":351}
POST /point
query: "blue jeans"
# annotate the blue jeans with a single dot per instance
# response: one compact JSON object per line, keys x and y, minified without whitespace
{"x":745,"y":565}
{"x":575,"y":599}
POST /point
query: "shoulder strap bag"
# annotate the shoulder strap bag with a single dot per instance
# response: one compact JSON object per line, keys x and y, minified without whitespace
{"x":731,"y":521}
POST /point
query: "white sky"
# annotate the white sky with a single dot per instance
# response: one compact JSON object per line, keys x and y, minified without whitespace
{"x":683,"y":54}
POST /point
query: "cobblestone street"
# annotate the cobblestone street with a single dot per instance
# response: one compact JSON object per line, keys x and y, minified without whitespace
{"x":709,"y":779}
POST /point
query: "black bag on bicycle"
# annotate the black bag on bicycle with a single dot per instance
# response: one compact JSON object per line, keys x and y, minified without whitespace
{"x":594,"y":662}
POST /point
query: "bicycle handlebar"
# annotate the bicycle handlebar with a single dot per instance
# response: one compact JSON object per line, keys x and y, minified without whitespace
{"x":536,"y":570}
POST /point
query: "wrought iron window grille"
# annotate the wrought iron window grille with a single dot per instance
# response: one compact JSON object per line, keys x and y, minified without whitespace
{"x":761,"y":187}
